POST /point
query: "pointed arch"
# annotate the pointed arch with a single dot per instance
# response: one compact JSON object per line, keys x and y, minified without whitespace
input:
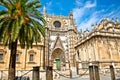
{"x":58,"y":53}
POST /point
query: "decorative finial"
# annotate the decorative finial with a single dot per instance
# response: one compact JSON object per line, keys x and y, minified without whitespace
{"x":92,"y":27}
{"x":117,"y":20}
{"x":112,"y":20}
{"x":107,"y":18}
{"x":44,"y":10}
{"x":71,"y":15}
{"x":87,"y":30}
{"x":80,"y":30}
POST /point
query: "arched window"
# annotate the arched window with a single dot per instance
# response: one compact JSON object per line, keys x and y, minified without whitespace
{"x":18,"y":56}
{"x":2,"y":55}
{"x":31,"y":56}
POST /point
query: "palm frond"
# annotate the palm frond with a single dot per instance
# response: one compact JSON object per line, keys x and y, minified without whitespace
{"x":2,"y":26}
{"x":3,"y":12}
{"x":15,"y":30}
{"x":5,"y":4}
{"x":32,"y":3}
{"x":39,"y":27}
{"x":37,"y":16}
{"x":21,"y":37}
{"x":5,"y":33}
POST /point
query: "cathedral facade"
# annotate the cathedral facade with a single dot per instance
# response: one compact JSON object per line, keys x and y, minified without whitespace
{"x":101,"y":46}
{"x":61,"y":36}
{"x":64,"y":45}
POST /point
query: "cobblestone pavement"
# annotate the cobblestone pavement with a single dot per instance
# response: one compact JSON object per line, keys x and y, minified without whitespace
{"x":86,"y":77}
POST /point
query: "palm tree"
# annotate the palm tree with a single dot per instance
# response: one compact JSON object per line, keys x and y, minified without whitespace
{"x":21,"y":22}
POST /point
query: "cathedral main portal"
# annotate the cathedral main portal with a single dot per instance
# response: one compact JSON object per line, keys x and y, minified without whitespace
{"x":58,"y":58}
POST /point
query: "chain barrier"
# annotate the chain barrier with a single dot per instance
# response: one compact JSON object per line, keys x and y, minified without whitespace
{"x":27,"y":72}
{"x":72,"y":77}
{"x":61,"y":74}
{"x":84,"y":73}
{"x":80,"y":75}
{"x":20,"y":77}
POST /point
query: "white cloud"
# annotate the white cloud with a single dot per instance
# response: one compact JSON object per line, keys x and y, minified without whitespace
{"x":89,"y":4}
{"x":87,"y":15}
{"x":89,"y":21}
{"x":48,"y":6}
{"x":78,"y":3}
{"x":79,"y":12}
{"x":114,"y":13}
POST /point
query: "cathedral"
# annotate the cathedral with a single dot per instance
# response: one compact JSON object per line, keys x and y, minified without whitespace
{"x":64,"y":45}
{"x":101,"y":46}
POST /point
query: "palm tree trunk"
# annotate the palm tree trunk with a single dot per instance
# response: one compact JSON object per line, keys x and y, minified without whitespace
{"x":12,"y":62}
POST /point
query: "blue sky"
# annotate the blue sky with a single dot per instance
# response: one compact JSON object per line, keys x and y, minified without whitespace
{"x":85,"y":12}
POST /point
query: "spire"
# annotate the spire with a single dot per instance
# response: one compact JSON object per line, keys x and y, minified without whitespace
{"x":93,"y":27}
{"x":44,"y":10}
{"x":71,"y":15}
{"x":107,"y":18}
{"x":112,"y":20}
{"x":81,"y":31}
{"x":117,"y":20}
{"x":87,"y":30}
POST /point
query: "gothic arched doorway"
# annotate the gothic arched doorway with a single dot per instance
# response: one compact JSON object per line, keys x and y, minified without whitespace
{"x":58,"y":58}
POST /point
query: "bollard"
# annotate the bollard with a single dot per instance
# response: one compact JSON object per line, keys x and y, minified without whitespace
{"x":70,"y":73}
{"x":91,"y":73}
{"x":49,"y":73}
{"x":112,"y":72}
{"x":97,"y":77}
{"x":77,"y":67}
{"x":36,"y":73}
{"x":69,"y":64}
